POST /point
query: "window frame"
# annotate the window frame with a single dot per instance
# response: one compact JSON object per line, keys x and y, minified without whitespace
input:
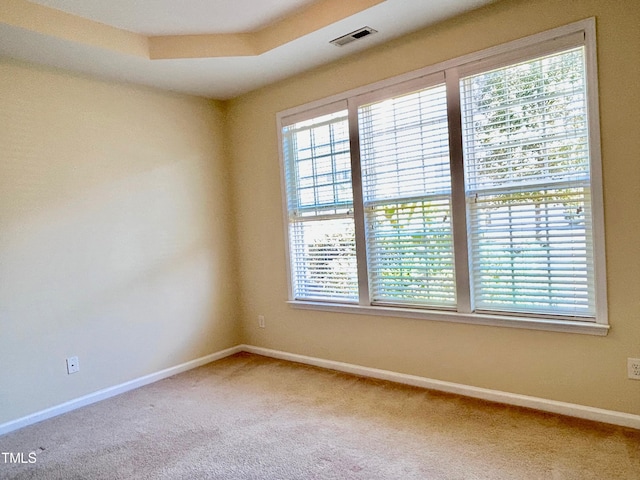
{"x":581,"y":33}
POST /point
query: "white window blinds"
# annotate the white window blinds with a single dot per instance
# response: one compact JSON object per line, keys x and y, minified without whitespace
{"x":468,"y":191}
{"x":406,"y":184}
{"x":320,"y":204}
{"x":526,"y":155}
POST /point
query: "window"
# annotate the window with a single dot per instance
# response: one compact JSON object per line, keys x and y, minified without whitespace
{"x":406,"y":183}
{"x":320,"y":208}
{"x":469,"y":191}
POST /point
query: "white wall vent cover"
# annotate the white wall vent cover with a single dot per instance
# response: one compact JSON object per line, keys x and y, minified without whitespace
{"x":353,"y":36}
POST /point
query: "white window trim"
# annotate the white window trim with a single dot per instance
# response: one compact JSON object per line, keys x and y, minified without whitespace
{"x":514,"y":321}
{"x":581,"y":32}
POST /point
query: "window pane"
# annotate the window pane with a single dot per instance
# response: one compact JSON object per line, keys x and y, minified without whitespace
{"x":404,"y":146}
{"x":525,"y":137}
{"x":530,"y":251}
{"x":527,"y":124}
{"x":317,"y":165}
{"x":410,"y":253}
{"x":407,"y":193}
{"x":323,"y":259}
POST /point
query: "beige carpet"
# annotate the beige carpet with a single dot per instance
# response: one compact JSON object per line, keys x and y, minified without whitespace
{"x":250,"y":417}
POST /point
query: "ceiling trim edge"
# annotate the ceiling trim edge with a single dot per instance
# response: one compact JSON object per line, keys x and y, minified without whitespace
{"x":51,"y":22}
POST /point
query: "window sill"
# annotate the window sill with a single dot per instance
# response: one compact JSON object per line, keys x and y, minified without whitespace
{"x":531,"y":323}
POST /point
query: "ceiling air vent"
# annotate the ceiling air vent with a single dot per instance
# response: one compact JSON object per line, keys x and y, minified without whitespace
{"x":353,"y":36}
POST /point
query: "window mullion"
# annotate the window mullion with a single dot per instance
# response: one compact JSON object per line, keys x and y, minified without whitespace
{"x":597,"y":217}
{"x":364,"y":297}
{"x":458,"y":199}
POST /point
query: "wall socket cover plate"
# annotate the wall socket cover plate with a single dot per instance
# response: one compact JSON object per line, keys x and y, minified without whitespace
{"x":73,"y":365}
{"x":633,"y":368}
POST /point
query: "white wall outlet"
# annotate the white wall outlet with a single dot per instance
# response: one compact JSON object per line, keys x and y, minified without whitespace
{"x":633,"y":368}
{"x":73,"y":365}
{"x":261,"y":323}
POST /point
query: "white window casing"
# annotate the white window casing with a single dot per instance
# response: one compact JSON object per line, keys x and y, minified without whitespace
{"x":468,"y":191}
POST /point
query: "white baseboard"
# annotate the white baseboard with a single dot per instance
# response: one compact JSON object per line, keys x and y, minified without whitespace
{"x":113,"y":391}
{"x":552,"y":406}
{"x":563,"y":408}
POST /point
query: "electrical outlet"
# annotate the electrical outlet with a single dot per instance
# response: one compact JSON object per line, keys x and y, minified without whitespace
{"x":633,"y":368}
{"x":261,"y":323}
{"x":73,"y":365}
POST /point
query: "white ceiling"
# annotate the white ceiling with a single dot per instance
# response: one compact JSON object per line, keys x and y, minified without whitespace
{"x":180,"y":17}
{"x":220,"y":77}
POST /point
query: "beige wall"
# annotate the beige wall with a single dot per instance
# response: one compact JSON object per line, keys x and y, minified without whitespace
{"x":115,"y":235}
{"x":575,"y":368}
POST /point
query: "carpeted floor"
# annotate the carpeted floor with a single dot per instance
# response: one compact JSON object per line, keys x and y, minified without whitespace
{"x":251,"y":417}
